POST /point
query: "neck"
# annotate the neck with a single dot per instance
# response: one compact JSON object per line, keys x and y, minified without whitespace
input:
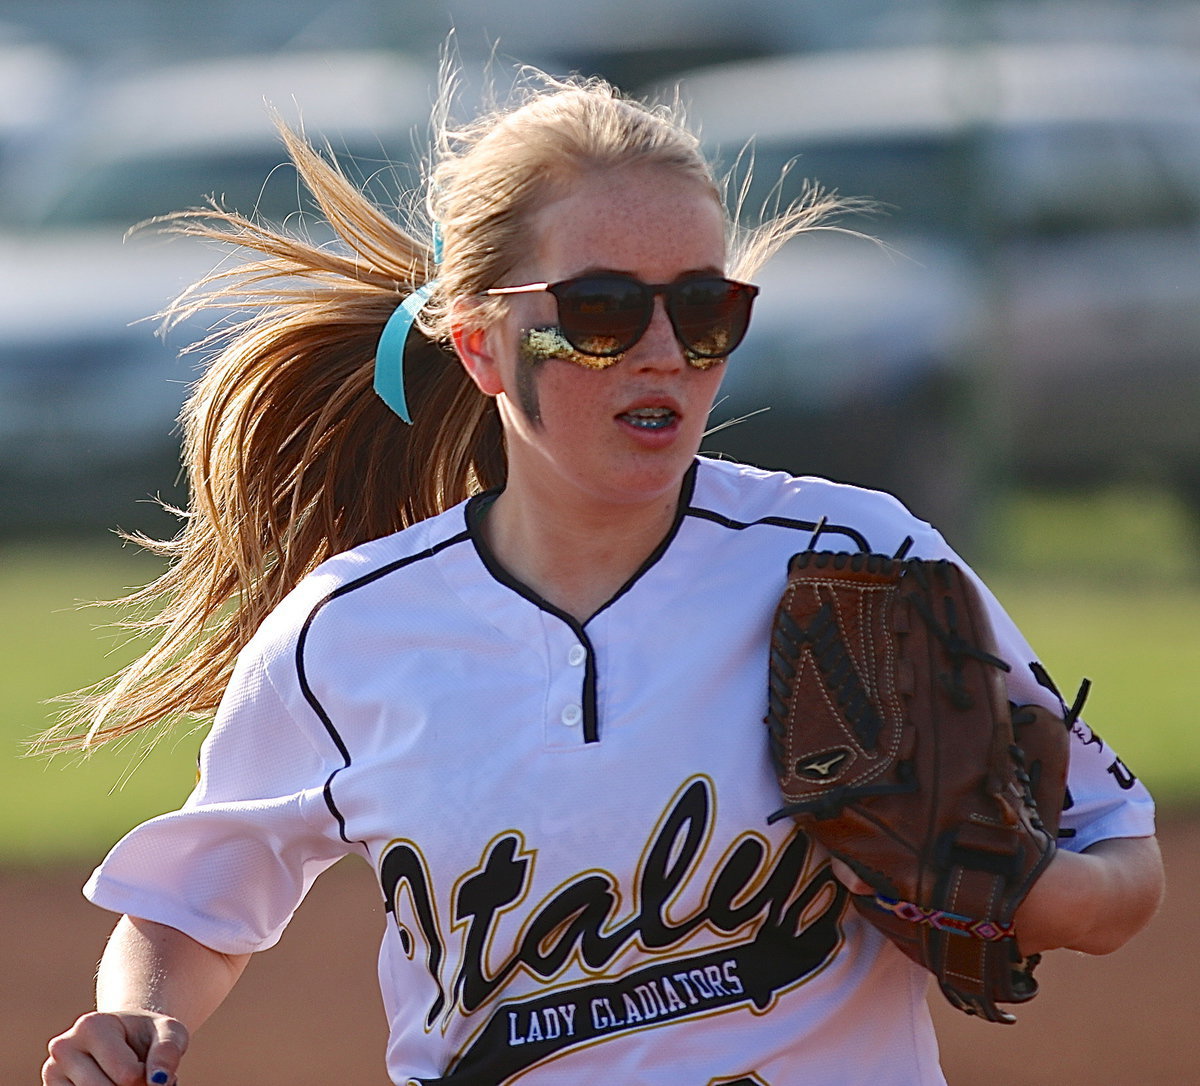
{"x":578,"y":556}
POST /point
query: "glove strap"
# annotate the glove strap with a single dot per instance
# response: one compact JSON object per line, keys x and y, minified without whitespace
{"x":942,"y":920}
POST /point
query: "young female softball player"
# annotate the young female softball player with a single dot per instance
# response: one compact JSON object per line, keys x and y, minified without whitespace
{"x":467,"y":604}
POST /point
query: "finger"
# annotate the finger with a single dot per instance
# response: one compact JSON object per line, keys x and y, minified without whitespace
{"x":53,"y":1074}
{"x":169,"y":1043}
{"x":69,"y":1066}
{"x":846,"y":876}
{"x":95,"y":1051}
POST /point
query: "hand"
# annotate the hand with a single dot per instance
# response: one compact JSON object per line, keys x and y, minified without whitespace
{"x":124,"y":1048}
{"x":846,"y":876}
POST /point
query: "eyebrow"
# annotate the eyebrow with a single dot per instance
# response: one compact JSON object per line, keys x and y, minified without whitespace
{"x":596,"y":269}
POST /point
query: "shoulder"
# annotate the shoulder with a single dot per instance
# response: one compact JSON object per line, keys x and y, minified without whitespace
{"x":340,"y":576}
{"x":840,"y":516}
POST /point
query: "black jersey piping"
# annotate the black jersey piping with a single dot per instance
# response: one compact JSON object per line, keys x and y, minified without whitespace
{"x":591,"y":716}
{"x":302,"y":674}
{"x":857,"y":538}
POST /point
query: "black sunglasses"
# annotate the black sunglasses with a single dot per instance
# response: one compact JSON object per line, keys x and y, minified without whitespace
{"x":605,"y":315}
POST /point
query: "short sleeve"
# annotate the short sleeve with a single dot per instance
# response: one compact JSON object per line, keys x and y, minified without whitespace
{"x":233,"y":864}
{"x":1104,"y":800}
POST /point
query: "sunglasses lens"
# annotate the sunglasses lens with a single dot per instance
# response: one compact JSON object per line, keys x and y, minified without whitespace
{"x":711,"y":315}
{"x":602,"y":315}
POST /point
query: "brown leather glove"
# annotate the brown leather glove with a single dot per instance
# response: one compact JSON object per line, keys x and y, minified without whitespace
{"x":897,"y":750}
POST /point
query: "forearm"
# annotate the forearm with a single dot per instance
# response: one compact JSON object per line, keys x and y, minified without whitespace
{"x":152,"y":967}
{"x":1094,"y":901}
{"x":154,"y":986}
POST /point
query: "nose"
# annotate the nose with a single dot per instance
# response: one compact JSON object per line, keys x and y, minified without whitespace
{"x":659,"y":348}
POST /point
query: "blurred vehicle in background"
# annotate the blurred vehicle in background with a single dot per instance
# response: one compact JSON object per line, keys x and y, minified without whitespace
{"x":89,"y":393}
{"x":35,"y":77}
{"x":88,"y":399}
{"x":1037,"y":304}
{"x":1034,"y":307}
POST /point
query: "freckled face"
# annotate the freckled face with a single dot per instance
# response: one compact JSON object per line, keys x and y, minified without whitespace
{"x":626,"y":433}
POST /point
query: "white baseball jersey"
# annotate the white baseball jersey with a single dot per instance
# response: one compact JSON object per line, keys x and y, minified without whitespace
{"x":568,"y":821}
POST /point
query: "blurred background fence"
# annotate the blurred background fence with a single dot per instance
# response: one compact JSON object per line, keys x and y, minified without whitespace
{"x":1034,"y":320}
{"x":1018,"y":360}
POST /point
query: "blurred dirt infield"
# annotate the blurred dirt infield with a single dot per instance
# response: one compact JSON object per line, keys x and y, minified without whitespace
{"x":307,"y":1013}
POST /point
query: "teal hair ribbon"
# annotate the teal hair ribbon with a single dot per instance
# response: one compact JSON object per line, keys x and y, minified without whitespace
{"x":389,"y":354}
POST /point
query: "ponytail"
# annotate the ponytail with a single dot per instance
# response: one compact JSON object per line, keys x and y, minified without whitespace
{"x":290,"y":455}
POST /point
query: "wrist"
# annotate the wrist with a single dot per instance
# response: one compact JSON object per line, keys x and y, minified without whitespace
{"x":1092,"y":901}
{"x":1062,"y":907}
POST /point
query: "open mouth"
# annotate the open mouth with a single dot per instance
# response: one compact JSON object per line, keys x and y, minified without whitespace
{"x":649,"y":418}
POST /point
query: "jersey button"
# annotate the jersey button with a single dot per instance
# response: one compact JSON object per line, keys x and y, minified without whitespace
{"x":577,"y":655}
{"x":572,"y":715}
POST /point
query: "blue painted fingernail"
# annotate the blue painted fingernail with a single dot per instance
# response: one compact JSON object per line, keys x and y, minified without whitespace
{"x":160,"y":1078}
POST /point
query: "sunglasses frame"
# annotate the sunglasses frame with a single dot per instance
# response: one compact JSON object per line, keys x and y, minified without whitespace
{"x":653,"y":290}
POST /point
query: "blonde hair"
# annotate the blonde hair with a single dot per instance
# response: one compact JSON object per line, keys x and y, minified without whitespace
{"x":290,"y":456}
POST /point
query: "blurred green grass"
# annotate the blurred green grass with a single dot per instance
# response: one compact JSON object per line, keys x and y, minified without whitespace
{"x":70,"y":806}
{"x":1072,"y":571}
{"x":1106,"y":586}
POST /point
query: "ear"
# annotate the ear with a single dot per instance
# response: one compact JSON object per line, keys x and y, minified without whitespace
{"x":475,"y":345}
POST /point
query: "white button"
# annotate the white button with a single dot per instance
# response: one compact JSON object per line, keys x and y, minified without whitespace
{"x":577,"y":655}
{"x":572,"y":715}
